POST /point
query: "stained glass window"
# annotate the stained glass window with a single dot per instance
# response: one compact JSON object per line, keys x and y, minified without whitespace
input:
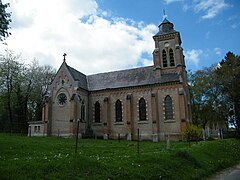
{"x":118,"y":111}
{"x":83,"y":112}
{"x":97,"y":112}
{"x":142,"y":110}
{"x":168,"y":107}
{"x":62,"y":99}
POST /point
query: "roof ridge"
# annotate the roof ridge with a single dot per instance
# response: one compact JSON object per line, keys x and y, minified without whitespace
{"x":123,"y":70}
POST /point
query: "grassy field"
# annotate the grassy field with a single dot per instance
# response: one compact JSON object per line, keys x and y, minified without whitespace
{"x":54,"y":158}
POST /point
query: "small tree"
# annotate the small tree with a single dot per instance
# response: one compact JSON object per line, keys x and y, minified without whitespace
{"x":191,"y":133}
{"x":22,"y":91}
{"x":5,"y":19}
{"x":228,"y":74}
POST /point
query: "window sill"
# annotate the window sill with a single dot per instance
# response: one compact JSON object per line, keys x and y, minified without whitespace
{"x":118,"y":123}
{"x":142,"y":122}
{"x":170,"y":121}
{"x":96,"y":124}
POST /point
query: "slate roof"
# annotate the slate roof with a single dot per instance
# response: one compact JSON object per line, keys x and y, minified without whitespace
{"x":120,"y":79}
{"x":128,"y":78}
{"x":78,"y":76}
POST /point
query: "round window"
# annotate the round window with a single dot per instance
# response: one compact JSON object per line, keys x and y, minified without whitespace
{"x":62,"y":99}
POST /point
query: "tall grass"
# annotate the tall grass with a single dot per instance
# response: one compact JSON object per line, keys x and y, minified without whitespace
{"x":55,"y":158}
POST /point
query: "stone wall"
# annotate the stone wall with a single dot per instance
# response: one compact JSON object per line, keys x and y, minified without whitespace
{"x":154,"y":128}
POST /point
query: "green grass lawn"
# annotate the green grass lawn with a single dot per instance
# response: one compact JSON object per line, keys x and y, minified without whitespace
{"x":54,"y":158}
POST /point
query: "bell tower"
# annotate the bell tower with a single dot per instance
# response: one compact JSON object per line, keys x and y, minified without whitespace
{"x":169,"y":59}
{"x":168,"y":53}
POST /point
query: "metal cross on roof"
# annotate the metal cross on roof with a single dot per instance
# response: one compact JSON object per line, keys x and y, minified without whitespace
{"x":64,"y":57}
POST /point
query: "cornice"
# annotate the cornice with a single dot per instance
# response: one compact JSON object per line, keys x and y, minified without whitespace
{"x":135,"y":87}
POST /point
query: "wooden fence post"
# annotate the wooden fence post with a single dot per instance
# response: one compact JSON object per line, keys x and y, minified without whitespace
{"x":77,"y":137}
{"x":138,"y":140}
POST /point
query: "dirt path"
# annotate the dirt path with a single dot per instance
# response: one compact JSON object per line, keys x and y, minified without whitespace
{"x":232,"y":173}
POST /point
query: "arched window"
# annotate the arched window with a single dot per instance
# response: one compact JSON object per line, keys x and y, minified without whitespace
{"x":82,"y":112}
{"x":97,"y":112}
{"x":118,"y":111}
{"x":168,"y":107}
{"x":142,"y":110}
{"x":171,"y":56}
{"x":164,"y":58}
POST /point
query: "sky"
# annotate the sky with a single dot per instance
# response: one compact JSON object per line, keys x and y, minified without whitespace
{"x":108,"y":35}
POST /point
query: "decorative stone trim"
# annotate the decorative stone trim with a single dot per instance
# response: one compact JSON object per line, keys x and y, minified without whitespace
{"x":181,"y":91}
{"x":129,"y":97}
{"x":106,"y":99}
{"x":167,"y":36}
{"x":136,"y":87}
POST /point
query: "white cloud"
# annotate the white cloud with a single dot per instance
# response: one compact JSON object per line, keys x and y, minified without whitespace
{"x":235,"y":25}
{"x":210,"y":8}
{"x":207,"y":35}
{"x":193,"y":56}
{"x":93,"y":40}
{"x":218,"y":51}
{"x":147,"y":62}
{"x":171,"y":1}
{"x":186,"y":7}
{"x":234,"y":21}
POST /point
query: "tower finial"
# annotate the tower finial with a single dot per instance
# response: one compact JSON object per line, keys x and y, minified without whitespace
{"x":164,"y":14}
{"x":64,"y":57}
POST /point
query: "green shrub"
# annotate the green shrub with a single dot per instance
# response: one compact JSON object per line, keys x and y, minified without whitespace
{"x":185,"y":155}
{"x":210,"y":139}
{"x":192,"y":133}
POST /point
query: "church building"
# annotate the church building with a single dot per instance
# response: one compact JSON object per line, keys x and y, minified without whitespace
{"x":152,"y":101}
